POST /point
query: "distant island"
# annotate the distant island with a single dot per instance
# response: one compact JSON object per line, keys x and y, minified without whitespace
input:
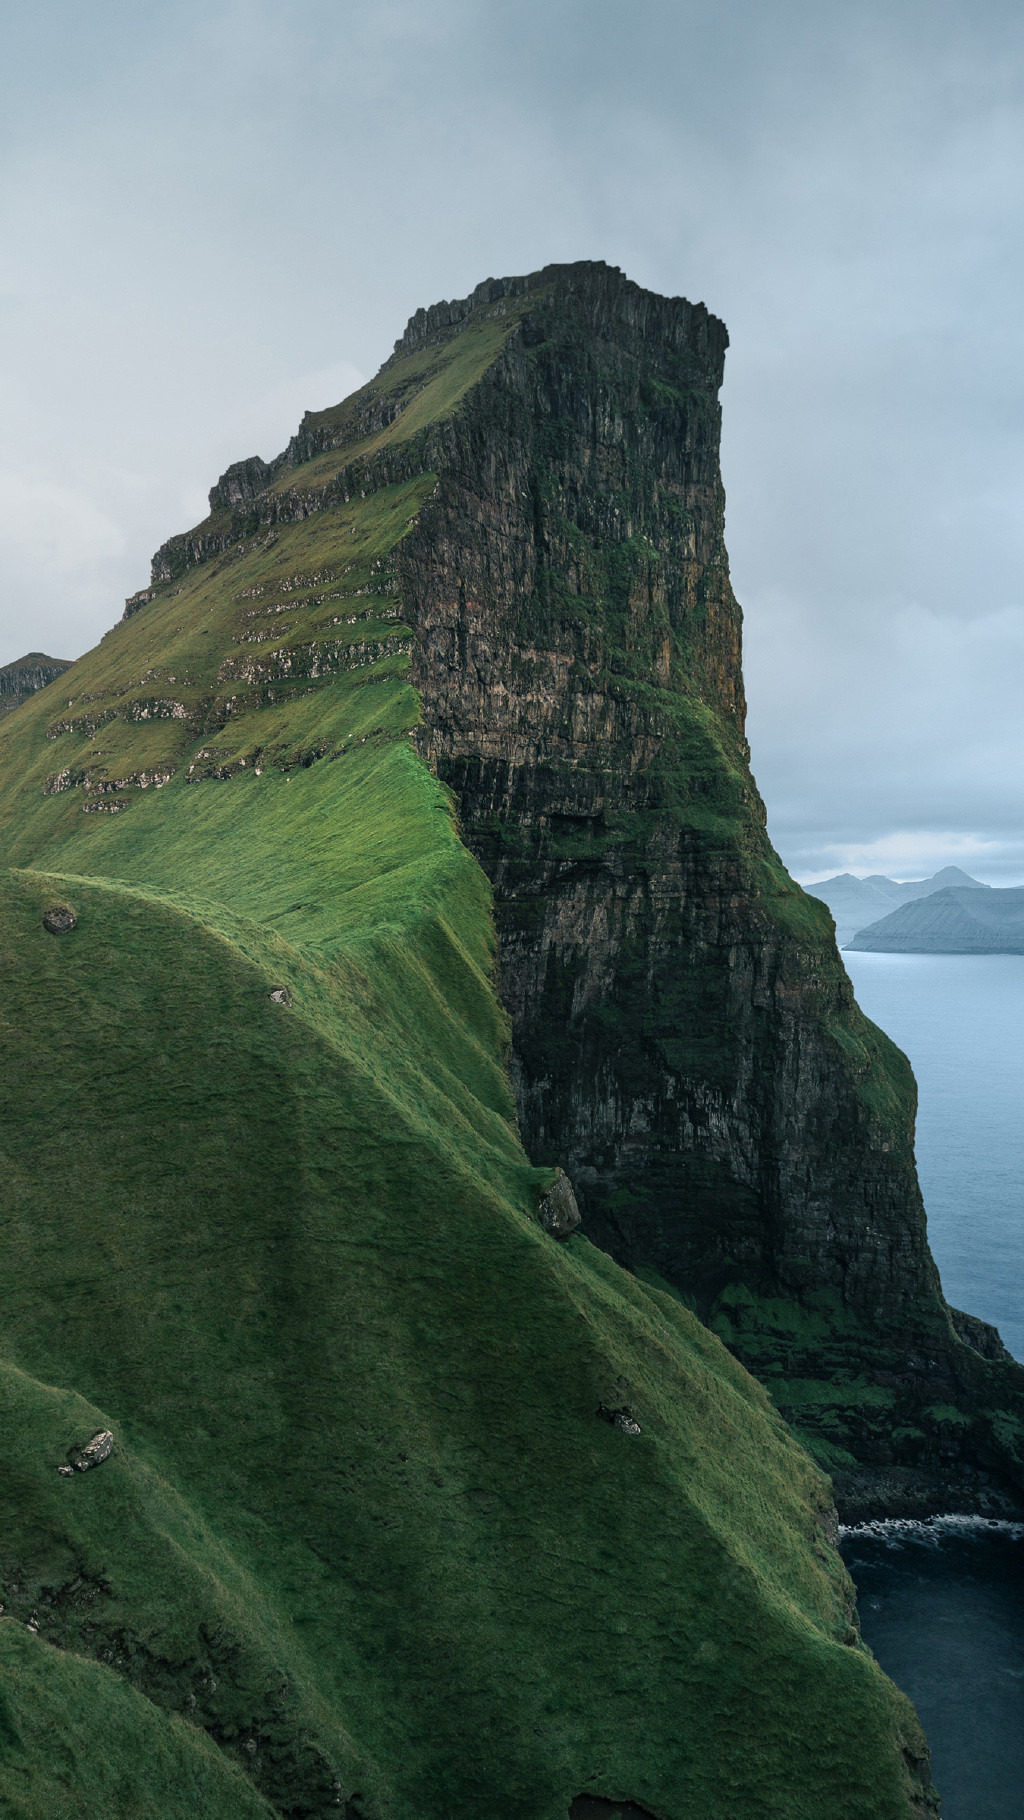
{"x":857,"y":902}
{"x":959,"y":921}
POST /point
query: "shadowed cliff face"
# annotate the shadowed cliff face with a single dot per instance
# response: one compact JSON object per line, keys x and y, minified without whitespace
{"x":670,"y":990}
{"x":685,"y":1039}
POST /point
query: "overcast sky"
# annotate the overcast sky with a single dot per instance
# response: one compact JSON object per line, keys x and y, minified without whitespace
{"x":213,"y":216}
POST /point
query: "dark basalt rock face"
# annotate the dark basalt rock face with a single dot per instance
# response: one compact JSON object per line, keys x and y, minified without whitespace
{"x":685,"y":1037}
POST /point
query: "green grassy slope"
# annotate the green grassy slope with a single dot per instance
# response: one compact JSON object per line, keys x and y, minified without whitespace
{"x":76,"y":1739}
{"x":364,"y":1541}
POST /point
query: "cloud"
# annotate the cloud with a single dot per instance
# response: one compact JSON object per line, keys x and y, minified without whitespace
{"x":51,"y":529}
{"x":915,"y":853}
{"x":214,"y":216}
{"x":58,"y":549}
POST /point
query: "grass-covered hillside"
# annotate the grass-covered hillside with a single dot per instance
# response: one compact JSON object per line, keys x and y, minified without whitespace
{"x":365,"y":1542}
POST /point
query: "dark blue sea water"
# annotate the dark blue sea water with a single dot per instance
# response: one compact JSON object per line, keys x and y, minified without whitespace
{"x":960,"y":1019}
{"x":942,"y":1605}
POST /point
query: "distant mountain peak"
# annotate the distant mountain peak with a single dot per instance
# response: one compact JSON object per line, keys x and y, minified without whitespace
{"x":954,"y":875}
{"x":857,"y":903}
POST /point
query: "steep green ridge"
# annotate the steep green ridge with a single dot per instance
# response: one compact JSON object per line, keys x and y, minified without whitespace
{"x":365,"y":1541}
{"x":76,"y":1738}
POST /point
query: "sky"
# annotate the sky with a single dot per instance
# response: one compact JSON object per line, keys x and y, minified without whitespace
{"x":215,"y":216}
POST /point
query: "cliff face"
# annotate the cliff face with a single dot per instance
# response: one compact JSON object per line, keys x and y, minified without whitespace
{"x":580,"y":669}
{"x":685,"y":1038}
{"x":22,"y":678}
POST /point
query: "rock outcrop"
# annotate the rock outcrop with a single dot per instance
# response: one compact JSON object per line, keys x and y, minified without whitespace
{"x":558,"y":1211}
{"x":22,"y":678}
{"x":92,"y":1452}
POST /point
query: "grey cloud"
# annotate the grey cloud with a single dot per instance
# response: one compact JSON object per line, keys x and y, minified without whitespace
{"x":213,"y":215}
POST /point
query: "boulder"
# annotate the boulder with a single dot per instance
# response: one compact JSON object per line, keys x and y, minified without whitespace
{"x":95,"y":1450}
{"x":558,"y":1212}
{"x":623,"y":1418}
{"x":59,"y":919}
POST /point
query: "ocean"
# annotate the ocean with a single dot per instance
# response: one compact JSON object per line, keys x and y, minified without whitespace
{"x":942,"y":1607}
{"x":942,"y":1604}
{"x":960,"y":1019}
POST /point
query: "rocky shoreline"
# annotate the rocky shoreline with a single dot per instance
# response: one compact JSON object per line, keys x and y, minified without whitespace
{"x":870,"y":1495}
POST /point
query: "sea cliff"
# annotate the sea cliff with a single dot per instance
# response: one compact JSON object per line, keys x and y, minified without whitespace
{"x":685,"y":1037}
{"x":397,"y":849}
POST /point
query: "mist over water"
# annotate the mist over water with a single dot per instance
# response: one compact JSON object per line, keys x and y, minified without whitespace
{"x":960,"y":1019}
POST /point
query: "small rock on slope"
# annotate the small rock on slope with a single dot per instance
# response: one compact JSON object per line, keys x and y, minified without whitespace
{"x":59,"y":919}
{"x":96,"y":1449}
{"x":558,"y":1211}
